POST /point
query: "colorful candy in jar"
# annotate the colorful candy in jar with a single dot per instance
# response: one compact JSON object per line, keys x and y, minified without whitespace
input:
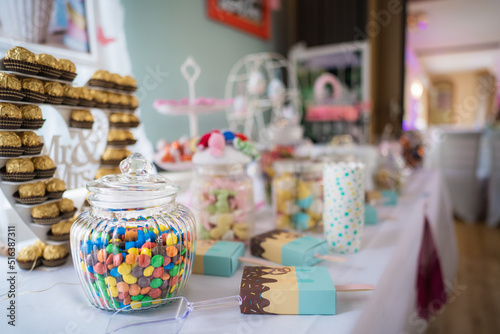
{"x":135,"y":261}
{"x":136,"y":244}
{"x":222,"y":192}
{"x":298,"y":194}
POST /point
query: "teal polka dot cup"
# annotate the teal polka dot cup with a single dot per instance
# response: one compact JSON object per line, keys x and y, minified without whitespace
{"x":343,"y":210}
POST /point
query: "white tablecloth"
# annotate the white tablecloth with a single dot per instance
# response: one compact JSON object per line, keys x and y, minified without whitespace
{"x":388,"y":260}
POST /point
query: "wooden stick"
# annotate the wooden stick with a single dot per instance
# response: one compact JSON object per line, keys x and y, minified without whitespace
{"x":331,"y":258}
{"x":354,"y":287}
{"x":257,"y":262}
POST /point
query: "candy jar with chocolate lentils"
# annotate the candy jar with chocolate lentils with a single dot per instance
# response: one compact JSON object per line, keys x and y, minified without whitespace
{"x":135,"y":244}
{"x":297,"y":190}
{"x":222,"y":192}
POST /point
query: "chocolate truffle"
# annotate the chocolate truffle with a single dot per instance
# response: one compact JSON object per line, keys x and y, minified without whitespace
{"x":20,"y":53}
{"x":100,"y":97}
{"x":21,"y":60}
{"x":30,"y":257}
{"x":55,"y":185}
{"x":55,"y":252}
{"x":54,"y":92}
{"x":62,"y":228}
{"x":43,"y":163}
{"x":50,"y":66}
{"x":47,"y":60}
{"x":31,"y":112}
{"x":9,"y":139}
{"x":29,"y":138}
{"x":9,"y":110}
{"x":82,"y":115}
{"x":19,"y":165}
{"x":50,"y":210}
{"x":53,"y":88}
{"x":9,"y":81}
{"x":33,"y":90}
{"x":34,"y":85}
{"x":66,"y":205}
{"x":68,"y":69}
{"x":133,"y":102}
{"x":115,"y":154}
{"x":32,"y":190}
{"x":103,"y":171}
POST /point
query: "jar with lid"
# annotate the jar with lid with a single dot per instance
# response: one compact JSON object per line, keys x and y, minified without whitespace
{"x":222,"y":192}
{"x":135,"y":245}
{"x":297,"y":192}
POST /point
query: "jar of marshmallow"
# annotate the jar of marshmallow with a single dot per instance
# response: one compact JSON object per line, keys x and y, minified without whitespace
{"x":222,"y":192}
{"x":297,"y":193}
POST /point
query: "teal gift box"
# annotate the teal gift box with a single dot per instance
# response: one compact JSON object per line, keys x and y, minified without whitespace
{"x":390,"y":197}
{"x":217,"y":258}
{"x":371,"y":216}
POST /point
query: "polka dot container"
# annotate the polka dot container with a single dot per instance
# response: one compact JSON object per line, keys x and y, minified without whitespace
{"x":343,"y":211}
{"x":135,"y":246}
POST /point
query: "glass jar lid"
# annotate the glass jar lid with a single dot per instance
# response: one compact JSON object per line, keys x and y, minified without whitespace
{"x":133,"y":185}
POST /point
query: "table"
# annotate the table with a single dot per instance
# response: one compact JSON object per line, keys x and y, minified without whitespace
{"x":388,"y":260}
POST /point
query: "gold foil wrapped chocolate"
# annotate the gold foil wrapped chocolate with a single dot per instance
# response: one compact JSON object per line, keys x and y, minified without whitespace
{"x":30,"y":111}
{"x":19,"y":53}
{"x":119,"y":135}
{"x":84,"y":93}
{"x":112,"y":154}
{"x":132,"y":118}
{"x":50,"y":210}
{"x":30,"y":253}
{"x":116,"y":117}
{"x":82,"y":115}
{"x":67,"y":65}
{"x":55,"y":185}
{"x":29,"y":138}
{"x":34,"y":85}
{"x":133,"y":101}
{"x":40,"y":244}
{"x":9,"y":110}
{"x":103,"y":171}
{"x":53,"y":88}
{"x":9,"y":139}
{"x":102,"y":75}
{"x":123,"y":99}
{"x":9,"y":81}
{"x":66,"y":205}
{"x":19,"y":165}
{"x":115,"y":78}
{"x":113,"y":98}
{"x":47,"y":60}
{"x":32,"y":190}
{"x":61,"y":228}
{"x":43,"y":163}
{"x":71,"y":92}
{"x":127,"y":80}
{"x":99,"y":96}
{"x":55,"y":252}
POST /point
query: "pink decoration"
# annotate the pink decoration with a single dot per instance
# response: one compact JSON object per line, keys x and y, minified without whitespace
{"x":103,"y":40}
{"x":216,"y":144}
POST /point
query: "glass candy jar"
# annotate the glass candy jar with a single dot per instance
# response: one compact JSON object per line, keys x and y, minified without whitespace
{"x":135,"y":244}
{"x":222,"y":195}
{"x":297,"y":193}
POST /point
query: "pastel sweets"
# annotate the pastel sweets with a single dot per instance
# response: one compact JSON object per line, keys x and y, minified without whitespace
{"x":287,"y":290}
{"x":288,"y":248}
{"x":217,"y":258}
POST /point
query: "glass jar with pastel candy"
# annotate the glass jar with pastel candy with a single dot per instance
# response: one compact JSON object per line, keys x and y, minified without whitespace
{"x":221,"y":191}
{"x":135,"y":246}
{"x":297,"y":190}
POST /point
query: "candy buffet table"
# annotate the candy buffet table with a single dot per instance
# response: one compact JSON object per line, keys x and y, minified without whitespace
{"x":388,"y":260}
